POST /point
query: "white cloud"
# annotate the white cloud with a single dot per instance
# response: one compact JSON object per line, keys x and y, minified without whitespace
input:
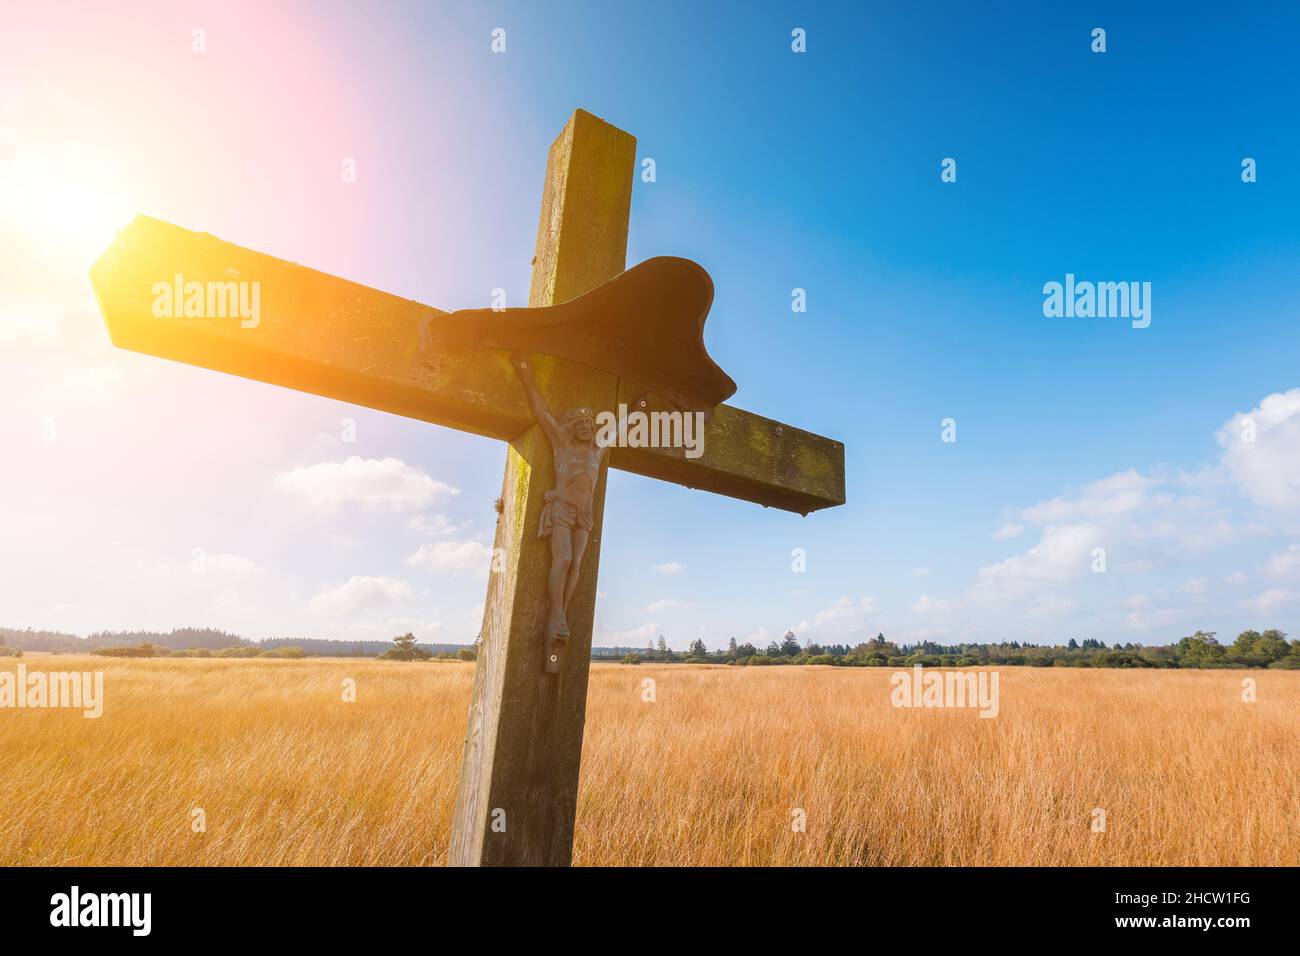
{"x":1272,"y":598}
{"x":1285,"y":564}
{"x":843,"y":619}
{"x":436,"y":526}
{"x":665,"y":604}
{"x":928,"y":605}
{"x":387,"y":483}
{"x":1008,"y":530}
{"x":359,"y":593}
{"x":1155,"y":522}
{"x":201,"y":564}
{"x":1267,"y":468}
{"x":452,"y":557}
{"x":1119,"y":494}
{"x":1144,"y":522}
{"x":425,"y":631}
{"x":671,"y":567}
{"x":1062,"y":554}
{"x":1147,"y":620}
{"x":231,"y":602}
{"x":635,"y":637}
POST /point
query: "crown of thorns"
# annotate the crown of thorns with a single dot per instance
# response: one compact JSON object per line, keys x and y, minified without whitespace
{"x":578,"y":414}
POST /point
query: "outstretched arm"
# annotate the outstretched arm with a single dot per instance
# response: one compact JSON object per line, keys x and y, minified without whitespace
{"x":536,"y":402}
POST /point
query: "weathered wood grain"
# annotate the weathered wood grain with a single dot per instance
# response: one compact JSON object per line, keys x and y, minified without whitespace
{"x":743,"y":456}
{"x":523,"y":743}
{"x":328,"y":336}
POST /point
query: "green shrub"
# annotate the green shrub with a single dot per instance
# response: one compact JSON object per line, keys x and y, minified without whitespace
{"x":240,"y":651}
{"x":132,"y":650}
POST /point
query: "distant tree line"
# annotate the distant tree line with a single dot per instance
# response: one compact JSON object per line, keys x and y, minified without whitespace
{"x":185,"y":638}
{"x":1202,"y":649}
{"x":1251,"y":648}
{"x":146,"y":649}
{"x":404,"y":648}
{"x":203,"y":642}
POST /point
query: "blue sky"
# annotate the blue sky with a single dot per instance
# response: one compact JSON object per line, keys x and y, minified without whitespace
{"x":775,"y":170}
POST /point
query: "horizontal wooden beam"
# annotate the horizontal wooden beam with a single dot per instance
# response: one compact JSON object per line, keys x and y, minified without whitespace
{"x":321,"y":334}
{"x":743,"y":456}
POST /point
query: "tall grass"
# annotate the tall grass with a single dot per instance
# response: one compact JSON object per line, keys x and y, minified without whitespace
{"x":711,"y":772}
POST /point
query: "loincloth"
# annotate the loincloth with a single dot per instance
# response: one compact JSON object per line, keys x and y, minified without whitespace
{"x":562,"y":512}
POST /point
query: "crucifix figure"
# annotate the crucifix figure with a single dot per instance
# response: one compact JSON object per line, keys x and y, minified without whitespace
{"x":567,"y":515}
{"x":595,"y":335}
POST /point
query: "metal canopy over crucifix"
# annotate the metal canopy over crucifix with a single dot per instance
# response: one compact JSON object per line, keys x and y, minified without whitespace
{"x":593,"y":338}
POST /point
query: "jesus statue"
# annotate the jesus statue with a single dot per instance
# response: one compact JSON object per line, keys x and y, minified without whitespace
{"x":566,"y":516}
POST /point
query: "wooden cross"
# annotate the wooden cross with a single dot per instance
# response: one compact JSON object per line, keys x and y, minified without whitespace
{"x":321,"y":334}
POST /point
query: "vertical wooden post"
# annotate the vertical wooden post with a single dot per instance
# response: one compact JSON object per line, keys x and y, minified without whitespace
{"x":519,"y":776}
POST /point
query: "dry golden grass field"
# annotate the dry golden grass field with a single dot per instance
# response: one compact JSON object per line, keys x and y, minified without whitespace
{"x":286,"y":772}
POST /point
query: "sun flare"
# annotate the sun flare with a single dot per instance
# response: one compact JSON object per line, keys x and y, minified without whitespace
{"x":61,"y":202}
